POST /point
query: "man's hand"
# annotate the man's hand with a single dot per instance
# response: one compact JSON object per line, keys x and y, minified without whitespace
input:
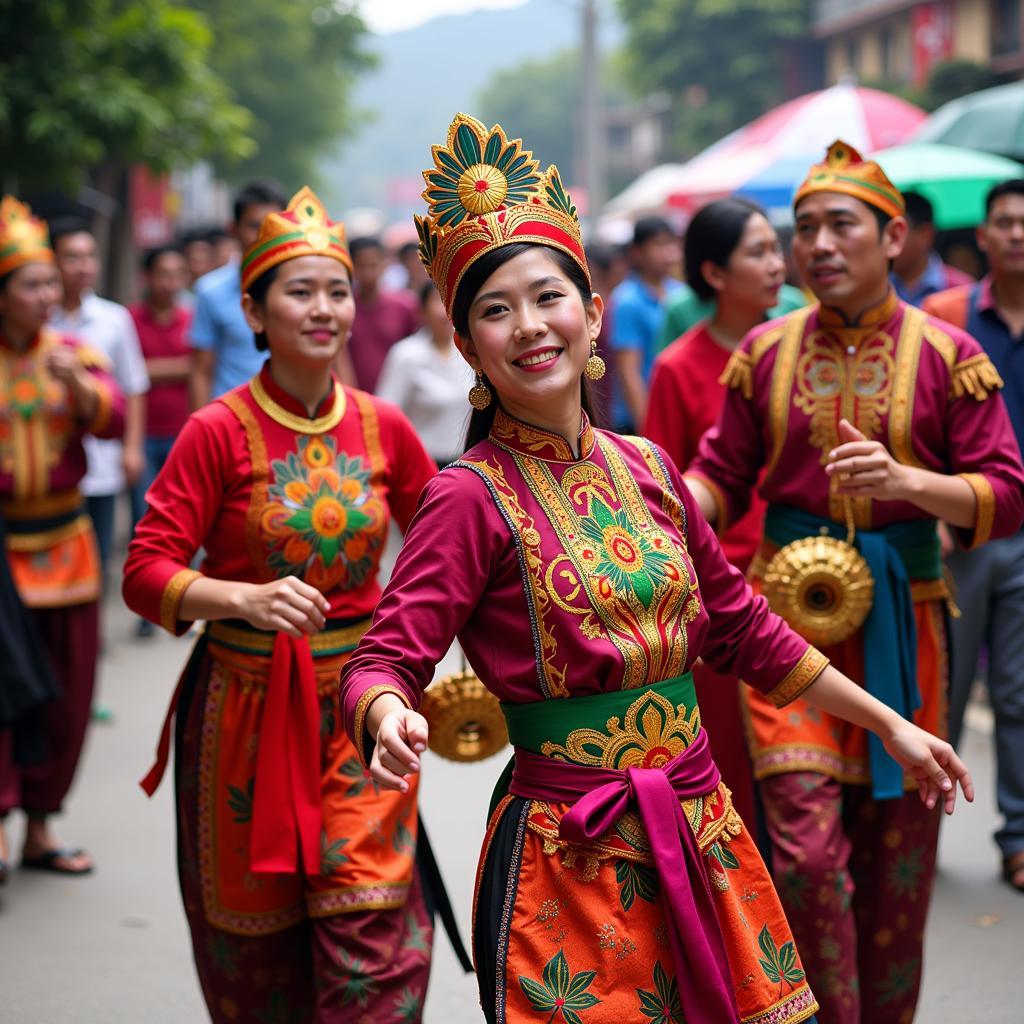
{"x":865,"y":469}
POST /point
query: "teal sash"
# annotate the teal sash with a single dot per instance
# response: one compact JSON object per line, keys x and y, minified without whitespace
{"x":895,"y":555}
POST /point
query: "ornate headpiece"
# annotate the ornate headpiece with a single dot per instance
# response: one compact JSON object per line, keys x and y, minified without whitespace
{"x":846,"y":171}
{"x":23,"y":238}
{"x":302,"y":229}
{"x":485,"y":192}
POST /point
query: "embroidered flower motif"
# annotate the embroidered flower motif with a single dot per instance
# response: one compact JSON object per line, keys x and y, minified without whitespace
{"x":323,"y":521}
{"x":625,"y":561}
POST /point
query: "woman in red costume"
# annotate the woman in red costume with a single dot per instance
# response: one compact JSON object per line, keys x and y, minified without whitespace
{"x":53,"y":391}
{"x":733,"y":258}
{"x":297,"y":869}
{"x":617,"y":881}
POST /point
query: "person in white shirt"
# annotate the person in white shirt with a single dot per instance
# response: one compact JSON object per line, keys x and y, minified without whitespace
{"x":425,"y":376}
{"x":108,"y":328}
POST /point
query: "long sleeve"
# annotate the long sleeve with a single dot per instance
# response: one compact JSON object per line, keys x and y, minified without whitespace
{"x":107,"y":421}
{"x":413,"y":467}
{"x":744,"y":637}
{"x":450,"y":552}
{"x":183,"y":502}
{"x":667,"y":423}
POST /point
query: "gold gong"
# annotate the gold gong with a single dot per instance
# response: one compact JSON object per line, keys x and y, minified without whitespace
{"x":822,"y":587}
{"x":465,"y":719}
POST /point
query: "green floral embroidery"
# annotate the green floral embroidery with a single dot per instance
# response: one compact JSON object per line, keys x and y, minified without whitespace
{"x":279,"y":1011}
{"x":417,"y":935}
{"x":630,"y":561}
{"x":904,"y":875}
{"x":331,"y":856}
{"x":779,"y":965}
{"x":635,"y":880}
{"x":409,"y":1006}
{"x":240,"y":801}
{"x":793,"y":888}
{"x":356,"y":981}
{"x":358,"y":776}
{"x":561,"y":992}
{"x":403,"y":841}
{"x":724,"y":856}
{"x":328,"y":720}
{"x":662,"y":1005}
{"x":900,"y":980}
{"x":222,"y":952}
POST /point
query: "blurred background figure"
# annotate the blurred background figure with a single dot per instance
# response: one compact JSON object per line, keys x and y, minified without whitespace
{"x":608,"y":269}
{"x":990,"y":579}
{"x":425,"y":376}
{"x":53,"y":391}
{"x":107,"y":327}
{"x":409,"y":260}
{"x":162,"y":323}
{"x":918,"y":271}
{"x":382,"y":317}
{"x":223,"y":246}
{"x":637,"y":308}
{"x":195,"y":244}
{"x":223,"y":355}
{"x":734,"y":267}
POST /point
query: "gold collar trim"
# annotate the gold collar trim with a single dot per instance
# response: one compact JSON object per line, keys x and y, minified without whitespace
{"x":873,"y":316}
{"x":515,"y":435}
{"x":300,"y":424}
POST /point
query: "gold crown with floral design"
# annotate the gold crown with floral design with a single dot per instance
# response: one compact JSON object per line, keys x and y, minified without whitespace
{"x":301,"y":229}
{"x":846,"y":171}
{"x":23,"y":238}
{"x":484,"y":192}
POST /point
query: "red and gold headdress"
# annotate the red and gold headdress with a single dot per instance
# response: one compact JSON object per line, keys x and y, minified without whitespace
{"x":846,"y":171}
{"x":23,"y":238}
{"x":302,"y":229}
{"x":485,"y":192}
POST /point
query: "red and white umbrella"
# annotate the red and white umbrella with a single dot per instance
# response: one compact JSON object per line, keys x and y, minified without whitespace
{"x":804,"y":127}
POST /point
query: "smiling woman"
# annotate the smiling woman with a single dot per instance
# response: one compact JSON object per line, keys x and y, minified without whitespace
{"x":292,"y":863}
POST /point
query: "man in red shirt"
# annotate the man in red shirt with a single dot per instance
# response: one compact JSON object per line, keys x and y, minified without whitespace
{"x":382,"y":317}
{"x":162,"y":324}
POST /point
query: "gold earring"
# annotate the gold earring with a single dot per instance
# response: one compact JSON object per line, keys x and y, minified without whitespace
{"x":479,"y":393}
{"x":595,"y":368}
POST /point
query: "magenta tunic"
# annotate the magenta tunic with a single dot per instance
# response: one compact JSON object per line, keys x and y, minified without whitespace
{"x":564,"y":577}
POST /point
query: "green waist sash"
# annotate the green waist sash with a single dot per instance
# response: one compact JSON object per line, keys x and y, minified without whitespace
{"x":895,"y":555}
{"x":532,"y":725}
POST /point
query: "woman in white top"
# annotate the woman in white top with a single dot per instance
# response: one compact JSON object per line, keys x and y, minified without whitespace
{"x":425,"y":376}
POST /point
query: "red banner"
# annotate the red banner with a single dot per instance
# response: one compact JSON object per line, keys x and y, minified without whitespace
{"x":931,"y":30}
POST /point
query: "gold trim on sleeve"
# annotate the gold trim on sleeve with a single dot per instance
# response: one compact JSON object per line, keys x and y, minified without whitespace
{"x":722,"y":520}
{"x":170,"y":603}
{"x":985,"y":516}
{"x":300,"y":424}
{"x":739,"y":374}
{"x":976,"y":377}
{"x":806,"y":670}
{"x":363,"y":706}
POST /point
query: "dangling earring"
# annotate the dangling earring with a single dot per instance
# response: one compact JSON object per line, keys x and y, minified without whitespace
{"x":595,"y":367}
{"x":479,"y":393}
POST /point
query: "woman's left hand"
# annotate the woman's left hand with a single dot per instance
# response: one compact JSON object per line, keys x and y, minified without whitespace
{"x":866,"y":469}
{"x":933,"y":764}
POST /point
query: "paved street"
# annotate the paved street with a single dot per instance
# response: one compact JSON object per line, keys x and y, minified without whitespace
{"x":113,"y":948}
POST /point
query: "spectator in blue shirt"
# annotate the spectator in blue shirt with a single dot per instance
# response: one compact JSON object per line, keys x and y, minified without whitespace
{"x":223,"y":352}
{"x":918,"y":271}
{"x":637,"y":308}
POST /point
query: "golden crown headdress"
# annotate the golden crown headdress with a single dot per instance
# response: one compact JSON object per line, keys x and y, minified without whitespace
{"x":301,"y":229}
{"x":23,"y":238}
{"x":846,"y":171}
{"x":484,"y":192}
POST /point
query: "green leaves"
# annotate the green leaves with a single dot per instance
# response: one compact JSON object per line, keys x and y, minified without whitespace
{"x":779,"y":965}
{"x":662,"y":1005}
{"x":358,"y":777}
{"x":403,"y":841}
{"x":560,"y":992}
{"x":331,"y":856}
{"x":635,"y":880}
{"x":354,"y":978}
{"x":724,"y":856}
{"x":240,"y":801}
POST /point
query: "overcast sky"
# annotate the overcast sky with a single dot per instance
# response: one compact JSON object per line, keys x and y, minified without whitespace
{"x":391,"y":15}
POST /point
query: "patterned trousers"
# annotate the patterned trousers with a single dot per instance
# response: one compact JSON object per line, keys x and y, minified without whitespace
{"x":855,"y":878}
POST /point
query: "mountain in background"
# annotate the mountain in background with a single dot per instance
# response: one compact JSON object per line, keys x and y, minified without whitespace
{"x":425,"y":75}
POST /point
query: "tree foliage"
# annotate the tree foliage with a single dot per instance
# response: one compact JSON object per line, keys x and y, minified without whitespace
{"x":722,"y":61}
{"x":292,"y":64}
{"x":85,"y":83}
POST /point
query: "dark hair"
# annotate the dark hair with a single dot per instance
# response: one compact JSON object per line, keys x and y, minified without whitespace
{"x":919,"y":209}
{"x":364,"y":244}
{"x":257,"y":291}
{"x":601,"y":255}
{"x":1013,"y":187}
{"x":191,"y":236}
{"x":408,"y":249}
{"x":647,"y":228}
{"x":151,"y":256}
{"x":713,"y":235}
{"x":481,"y":420}
{"x":257,"y":193}
{"x":62,"y":227}
{"x":427,"y":289}
{"x":216,"y":234}
{"x":5,"y":280}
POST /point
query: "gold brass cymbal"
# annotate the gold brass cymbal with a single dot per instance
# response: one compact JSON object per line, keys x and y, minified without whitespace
{"x":465,"y":719}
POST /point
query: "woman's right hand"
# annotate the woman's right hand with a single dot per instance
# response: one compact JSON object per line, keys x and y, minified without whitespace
{"x":286,"y":606}
{"x":401,"y":738}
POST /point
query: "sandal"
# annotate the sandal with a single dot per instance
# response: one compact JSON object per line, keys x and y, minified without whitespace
{"x":1013,"y":870}
{"x":51,"y":861}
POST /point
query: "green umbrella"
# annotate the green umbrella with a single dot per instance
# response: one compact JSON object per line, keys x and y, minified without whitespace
{"x":954,"y":180}
{"x":991,"y":120}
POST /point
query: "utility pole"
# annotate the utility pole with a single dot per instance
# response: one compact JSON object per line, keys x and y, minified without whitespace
{"x":593,"y":169}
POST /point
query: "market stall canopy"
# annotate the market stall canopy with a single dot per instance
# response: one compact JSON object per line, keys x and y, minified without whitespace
{"x":991,"y":120}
